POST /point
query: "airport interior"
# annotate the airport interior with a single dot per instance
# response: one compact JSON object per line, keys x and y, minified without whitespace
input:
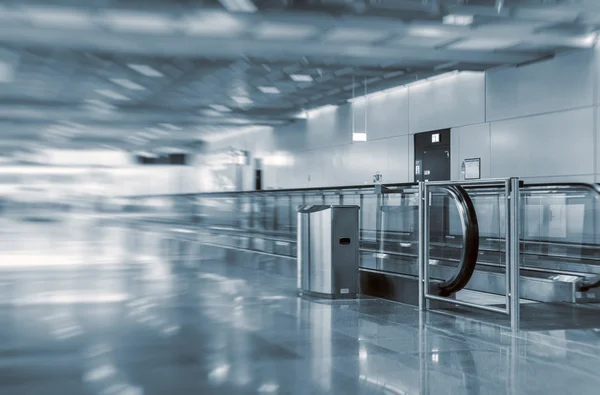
{"x":348,"y":197}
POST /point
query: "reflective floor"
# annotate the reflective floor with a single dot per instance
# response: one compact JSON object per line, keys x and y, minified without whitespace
{"x":90,"y":306}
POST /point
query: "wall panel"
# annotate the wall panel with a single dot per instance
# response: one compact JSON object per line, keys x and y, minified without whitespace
{"x":361,"y":160}
{"x":565,"y":82}
{"x":386,"y":115}
{"x":399,"y":159}
{"x":543,"y":128}
{"x":448,"y":102}
{"x":471,"y":142}
{"x":329,"y":127}
{"x":556,"y":144}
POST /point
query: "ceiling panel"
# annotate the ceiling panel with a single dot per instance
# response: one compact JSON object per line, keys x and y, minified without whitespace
{"x":207,"y":68}
{"x":427,"y":42}
{"x":354,"y":35}
{"x":483,"y":44}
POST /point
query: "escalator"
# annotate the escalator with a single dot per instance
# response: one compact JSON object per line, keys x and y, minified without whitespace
{"x":466,"y":251}
{"x":470,"y":248}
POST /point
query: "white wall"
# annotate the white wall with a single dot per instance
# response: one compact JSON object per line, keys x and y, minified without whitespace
{"x":538,"y":122}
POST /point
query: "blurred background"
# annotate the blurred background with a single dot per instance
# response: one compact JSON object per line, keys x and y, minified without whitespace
{"x":112,"y":112}
{"x":92,"y":91}
{"x":105,"y":100}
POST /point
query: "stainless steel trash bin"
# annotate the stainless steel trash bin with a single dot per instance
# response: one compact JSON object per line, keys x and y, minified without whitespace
{"x":328,"y":250}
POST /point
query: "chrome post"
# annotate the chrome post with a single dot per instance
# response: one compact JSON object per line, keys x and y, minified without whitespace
{"x":423,"y":356}
{"x":515,"y":263}
{"x":507,"y":260}
{"x":426,"y":223}
{"x":421,"y":249}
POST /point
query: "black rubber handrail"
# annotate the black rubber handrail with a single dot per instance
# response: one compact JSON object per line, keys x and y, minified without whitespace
{"x":332,"y":189}
{"x":588,"y":284}
{"x":329,"y":189}
{"x":470,"y":250}
{"x":592,"y":187}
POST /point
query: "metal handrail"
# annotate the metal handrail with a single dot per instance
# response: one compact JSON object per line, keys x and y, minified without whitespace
{"x":512,"y":201}
{"x":491,"y":183}
{"x":470,"y":229}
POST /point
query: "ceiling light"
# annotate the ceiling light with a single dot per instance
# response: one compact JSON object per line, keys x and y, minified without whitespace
{"x":284,"y":31}
{"x":357,"y":99}
{"x":428,"y":31}
{"x":111,"y":94}
{"x":63,"y":17}
{"x":242,"y":99}
{"x":443,"y":75}
{"x":213,"y":23}
{"x":139,"y":22}
{"x":238,"y":5}
{"x":157,"y":132}
{"x":145,"y":70}
{"x":170,"y":126}
{"x":6,"y":72}
{"x":359,"y":137}
{"x":458,"y":20}
{"x":588,"y":40}
{"x":269,"y":89}
{"x":301,"y":77}
{"x":220,"y":107}
{"x":312,"y":112}
{"x":125,"y":83}
{"x":98,"y":105}
{"x":446,"y":65}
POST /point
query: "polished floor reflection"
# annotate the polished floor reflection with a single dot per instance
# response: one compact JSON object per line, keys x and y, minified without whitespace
{"x":91,"y":306}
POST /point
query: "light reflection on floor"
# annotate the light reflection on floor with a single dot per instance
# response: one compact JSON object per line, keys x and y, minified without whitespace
{"x":151,"y":311}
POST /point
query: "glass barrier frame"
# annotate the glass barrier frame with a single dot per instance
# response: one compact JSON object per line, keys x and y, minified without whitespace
{"x":512,"y":240}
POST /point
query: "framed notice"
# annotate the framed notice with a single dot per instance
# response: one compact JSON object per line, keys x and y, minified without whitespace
{"x":472,"y":167}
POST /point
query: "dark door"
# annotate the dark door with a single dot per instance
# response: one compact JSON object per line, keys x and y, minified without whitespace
{"x":436,"y":164}
{"x":432,"y":155}
{"x":432,"y":163}
{"x":258,"y":180}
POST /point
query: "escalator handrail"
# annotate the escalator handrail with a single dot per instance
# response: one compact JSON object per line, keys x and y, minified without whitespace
{"x":593,"y":187}
{"x":470,"y":251}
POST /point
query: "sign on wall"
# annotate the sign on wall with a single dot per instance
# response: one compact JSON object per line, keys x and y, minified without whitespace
{"x":472,"y":168}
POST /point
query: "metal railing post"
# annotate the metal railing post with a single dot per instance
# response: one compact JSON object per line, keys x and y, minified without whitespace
{"x":515,"y":258}
{"x":422,"y":304}
{"x":507,"y":256}
{"x":425,"y":221}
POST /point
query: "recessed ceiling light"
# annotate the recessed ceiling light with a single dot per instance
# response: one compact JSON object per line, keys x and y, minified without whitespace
{"x":157,"y":132}
{"x":63,"y":17}
{"x":213,"y":23}
{"x":459,"y":20}
{"x":238,"y":5}
{"x":125,"y":83}
{"x":359,"y":137}
{"x":145,"y":70}
{"x":111,"y":94}
{"x":242,"y":99}
{"x":588,"y":40}
{"x":139,"y":22}
{"x":98,"y":104}
{"x":301,"y":77}
{"x":220,"y":107}
{"x":269,"y":89}
{"x":6,"y":72}
{"x":170,"y":126}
